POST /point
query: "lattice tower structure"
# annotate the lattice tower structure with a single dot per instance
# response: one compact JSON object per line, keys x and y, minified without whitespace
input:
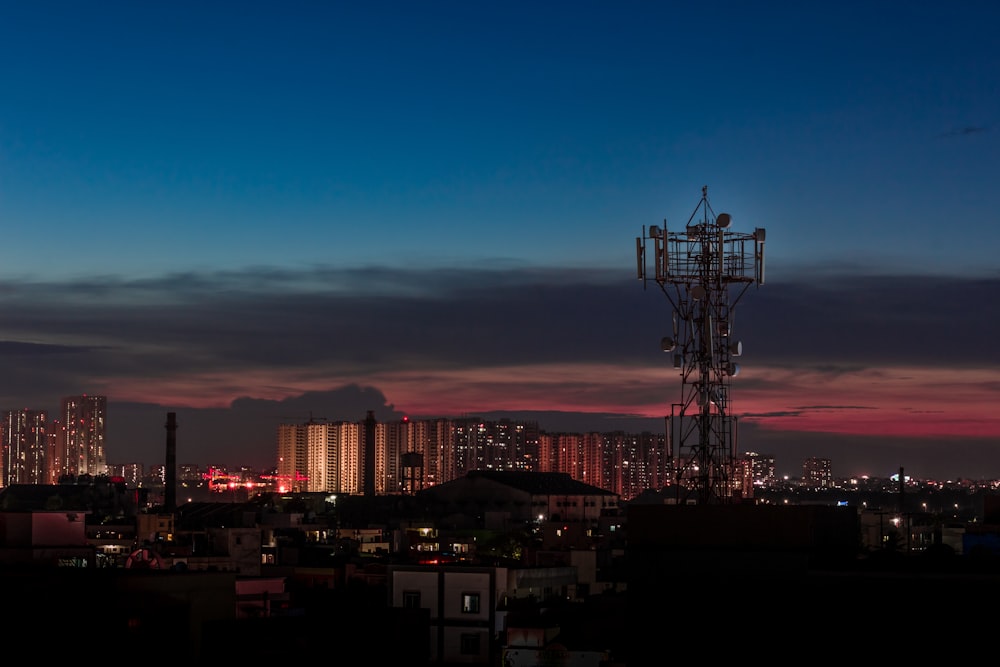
{"x":704,"y":270}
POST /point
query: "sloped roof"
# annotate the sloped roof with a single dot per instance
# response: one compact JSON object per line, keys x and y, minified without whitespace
{"x":540,"y":483}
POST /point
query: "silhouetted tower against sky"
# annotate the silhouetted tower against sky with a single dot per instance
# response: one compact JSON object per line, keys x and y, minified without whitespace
{"x":369,"y":481}
{"x":703,"y":269}
{"x":170,"y":483}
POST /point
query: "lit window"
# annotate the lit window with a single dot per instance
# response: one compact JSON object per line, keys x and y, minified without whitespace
{"x":411,"y":599}
{"x":470,"y":603}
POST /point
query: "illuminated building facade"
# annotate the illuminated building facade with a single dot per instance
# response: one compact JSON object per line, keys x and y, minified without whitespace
{"x":81,"y":435}
{"x":636,"y":462}
{"x":392,"y":440}
{"x":760,"y":468}
{"x":467,"y":433}
{"x":411,"y":455}
{"x":351,"y":452}
{"x":319,"y":457}
{"x":817,"y":473}
{"x":322,"y":459}
{"x":431,"y":450}
{"x":24,"y":441}
{"x":292,"y":464}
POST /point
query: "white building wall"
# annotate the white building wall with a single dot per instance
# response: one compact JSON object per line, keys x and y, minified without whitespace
{"x":459,"y":584}
{"x":425,"y":583}
{"x":451,"y":627}
{"x":317,"y":458}
{"x":350,"y":452}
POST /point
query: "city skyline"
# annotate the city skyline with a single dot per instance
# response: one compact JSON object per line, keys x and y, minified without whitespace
{"x":249,"y":216}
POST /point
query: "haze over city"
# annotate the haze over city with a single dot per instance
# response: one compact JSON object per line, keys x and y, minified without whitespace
{"x":252,"y":215}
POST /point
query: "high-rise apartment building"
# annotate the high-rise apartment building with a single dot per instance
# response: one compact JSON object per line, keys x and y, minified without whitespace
{"x":422,"y":461}
{"x":569,"y":457}
{"x":508,"y":445}
{"x":292,"y":463}
{"x":758,"y":472}
{"x":592,"y":466}
{"x":548,"y":453}
{"x":24,"y":440}
{"x":350,"y":439}
{"x":392,"y":440}
{"x":493,"y":445}
{"x":81,"y":436}
{"x":636,"y":462}
{"x":817,"y":473}
{"x":467,"y":433}
{"x":320,"y":457}
{"x":333,"y":457}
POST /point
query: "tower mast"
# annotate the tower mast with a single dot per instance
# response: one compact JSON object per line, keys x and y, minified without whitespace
{"x":703,"y":270}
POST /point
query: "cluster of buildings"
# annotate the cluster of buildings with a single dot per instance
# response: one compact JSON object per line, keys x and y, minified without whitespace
{"x":396,"y":457}
{"x":404,"y":456}
{"x":341,"y":457}
{"x":366,"y":457}
{"x":516,"y":568}
{"x":447,"y":571}
{"x":39,"y":448}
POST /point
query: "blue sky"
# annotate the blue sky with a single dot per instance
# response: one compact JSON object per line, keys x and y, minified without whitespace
{"x":212,"y":202}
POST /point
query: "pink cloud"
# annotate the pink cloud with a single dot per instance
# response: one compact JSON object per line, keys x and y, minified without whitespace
{"x":903,"y":401}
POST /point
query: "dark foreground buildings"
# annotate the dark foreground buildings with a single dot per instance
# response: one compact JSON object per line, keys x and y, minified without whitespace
{"x":495,"y":569}
{"x":787,"y":581}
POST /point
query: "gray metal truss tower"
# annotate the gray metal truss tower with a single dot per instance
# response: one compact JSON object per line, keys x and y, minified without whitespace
{"x":704,"y":270}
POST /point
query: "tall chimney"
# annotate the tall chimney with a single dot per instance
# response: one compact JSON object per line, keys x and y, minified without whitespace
{"x":369,"y":481}
{"x":170,"y":482}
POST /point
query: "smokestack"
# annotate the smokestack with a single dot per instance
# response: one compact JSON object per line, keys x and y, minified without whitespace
{"x":369,"y":481}
{"x":170,"y":483}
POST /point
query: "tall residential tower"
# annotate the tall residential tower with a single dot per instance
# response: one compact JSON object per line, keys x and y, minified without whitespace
{"x":80,"y":440}
{"x":24,"y":439}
